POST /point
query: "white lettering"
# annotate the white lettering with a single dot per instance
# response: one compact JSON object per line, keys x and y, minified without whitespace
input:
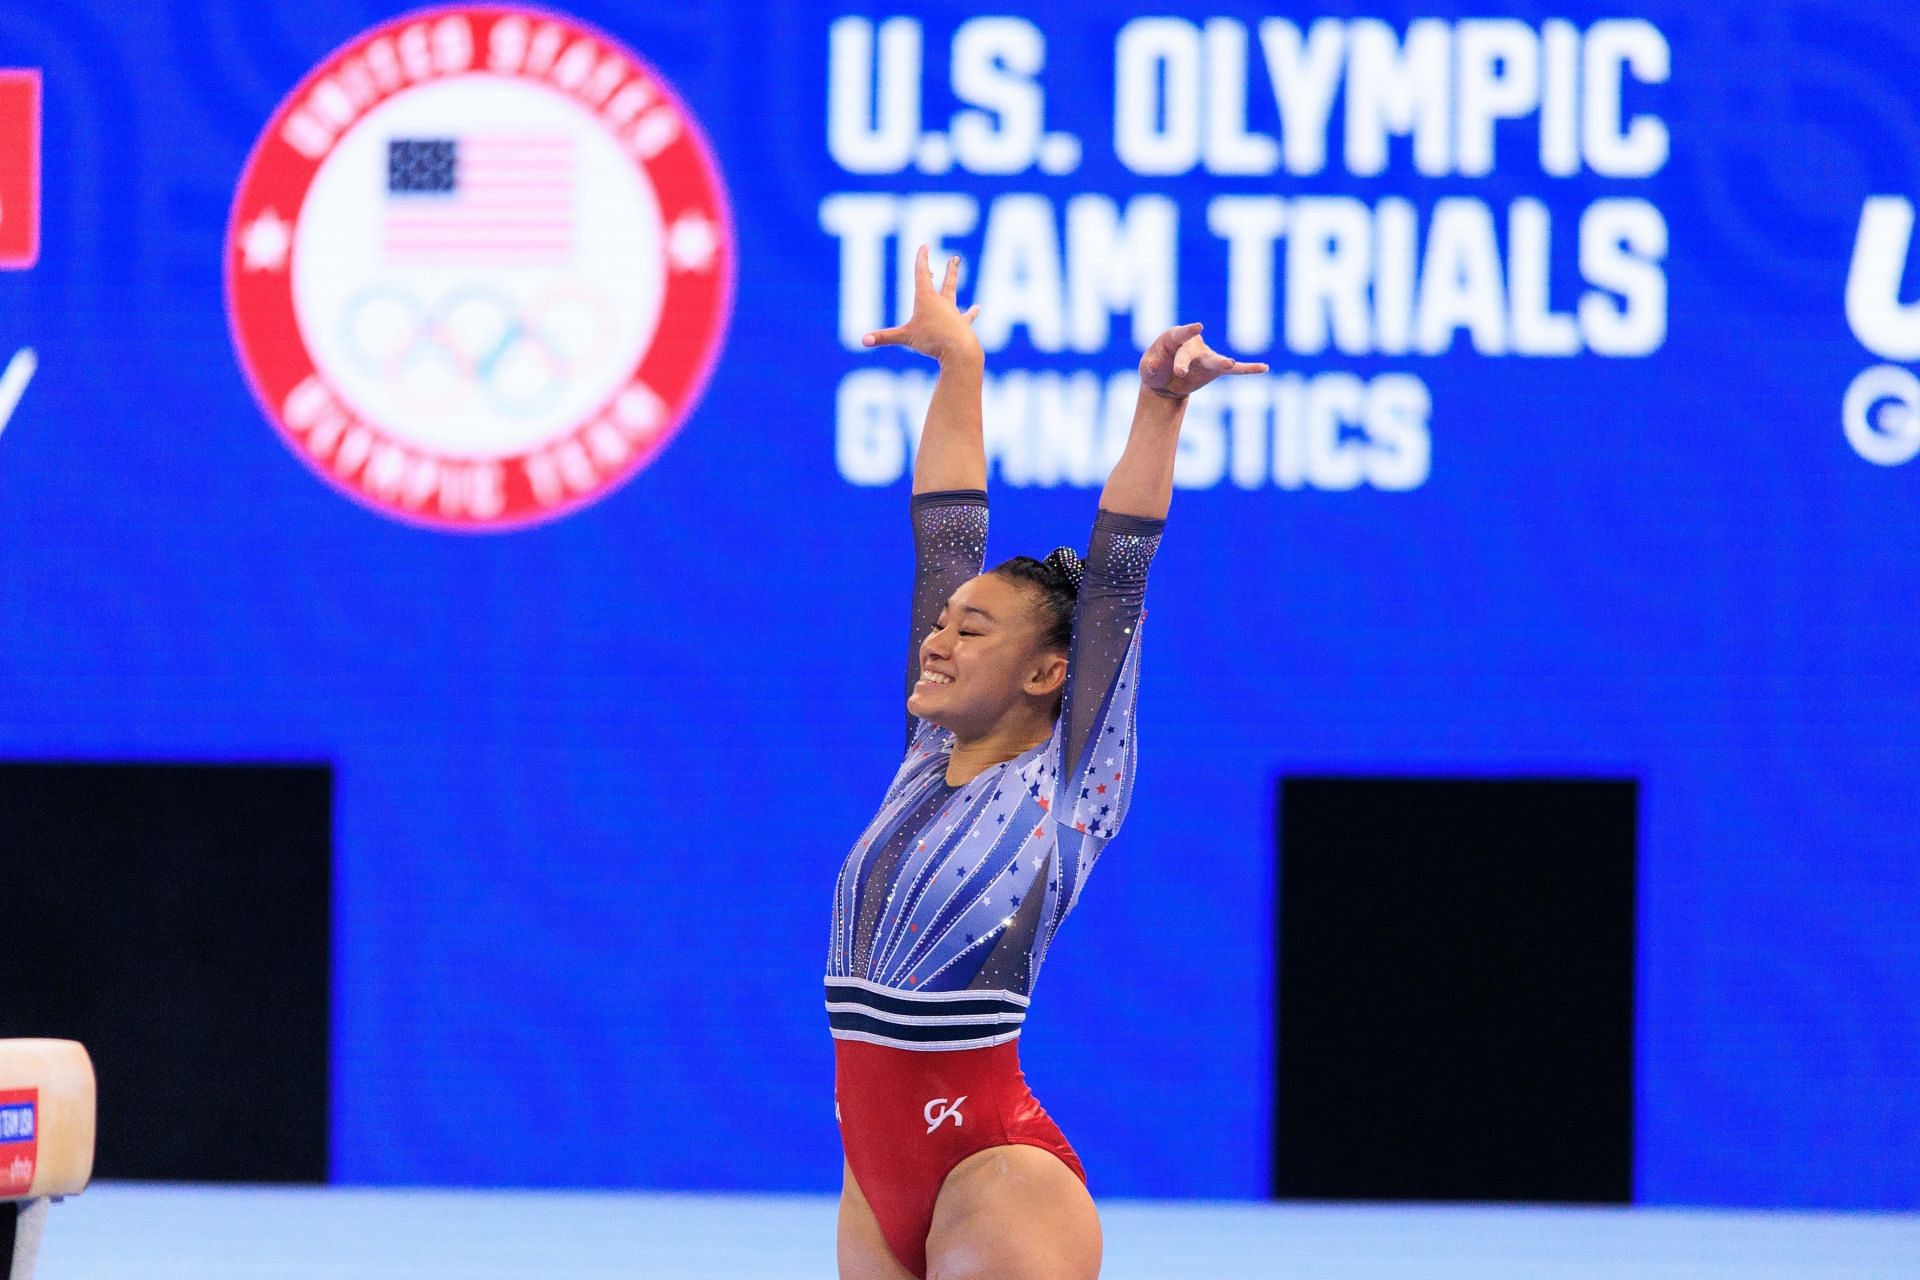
{"x":1020,"y":274}
{"x":868,"y":446}
{"x":1881,"y":415}
{"x":1460,"y":284}
{"x":1231,"y":149}
{"x":994,"y":62}
{"x":1334,"y":401}
{"x":873,"y":130}
{"x":1499,"y":80}
{"x":1156,"y":117}
{"x":1248,"y":402}
{"x":13,"y":383}
{"x":1398,"y":89}
{"x":1306,"y":76}
{"x":1047,"y":429}
{"x":1200,"y":457}
{"x":1328,"y":269}
{"x":862,"y":222}
{"x":1881,"y":322}
{"x":1538,"y":330}
{"x":1395,"y":251}
{"x":1628,"y":44}
{"x":1120,"y":262}
{"x":1559,"y":100}
{"x":1622,"y":244}
{"x":1249,"y":225}
{"x":1398,"y":407}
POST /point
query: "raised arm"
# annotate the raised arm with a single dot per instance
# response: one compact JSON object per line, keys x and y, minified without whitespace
{"x":1094,"y":770}
{"x":950,"y":469}
{"x":1173,"y":368}
{"x":952,"y":454}
{"x":949,"y":546}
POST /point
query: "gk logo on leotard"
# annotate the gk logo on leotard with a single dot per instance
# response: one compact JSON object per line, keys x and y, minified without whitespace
{"x":479,"y":265}
{"x":939,"y":1111}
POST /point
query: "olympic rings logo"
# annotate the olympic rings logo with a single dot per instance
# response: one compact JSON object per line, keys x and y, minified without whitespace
{"x":1881,"y":415}
{"x":434,"y":359}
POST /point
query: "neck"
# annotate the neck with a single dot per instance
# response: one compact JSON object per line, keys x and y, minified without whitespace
{"x":974,"y":756}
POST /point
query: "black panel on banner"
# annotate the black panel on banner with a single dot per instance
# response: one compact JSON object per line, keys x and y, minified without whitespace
{"x":1454,"y":1001}
{"x":176,"y":920}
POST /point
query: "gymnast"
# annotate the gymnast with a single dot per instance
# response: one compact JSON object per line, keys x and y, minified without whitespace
{"x":1021,"y":686}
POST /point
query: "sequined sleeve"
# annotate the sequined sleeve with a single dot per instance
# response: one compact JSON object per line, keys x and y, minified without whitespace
{"x":1093,"y":750}
{"x":949,"y":546}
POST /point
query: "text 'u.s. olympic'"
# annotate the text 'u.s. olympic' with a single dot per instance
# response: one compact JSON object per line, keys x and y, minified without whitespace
{"x":1182,"y":209}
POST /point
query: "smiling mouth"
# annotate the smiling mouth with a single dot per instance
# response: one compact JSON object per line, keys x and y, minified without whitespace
{"x":933,"y":677}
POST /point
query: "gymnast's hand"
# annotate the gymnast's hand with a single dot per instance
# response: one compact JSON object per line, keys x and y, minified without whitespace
{"x":1179,"y":364}
{"x":937,"y":327}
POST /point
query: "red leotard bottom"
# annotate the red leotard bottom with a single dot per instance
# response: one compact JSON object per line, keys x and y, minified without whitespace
{"x":908,"y":1117}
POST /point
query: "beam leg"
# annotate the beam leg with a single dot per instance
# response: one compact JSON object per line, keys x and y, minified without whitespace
{"x":24,"y":1224}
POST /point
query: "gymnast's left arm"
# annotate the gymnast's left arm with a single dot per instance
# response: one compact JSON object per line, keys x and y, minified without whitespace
{"x":1176,"y":365}
{"x":1094,"y":739}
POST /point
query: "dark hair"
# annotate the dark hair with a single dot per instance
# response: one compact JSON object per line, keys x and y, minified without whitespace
{"x":1056,"y":581}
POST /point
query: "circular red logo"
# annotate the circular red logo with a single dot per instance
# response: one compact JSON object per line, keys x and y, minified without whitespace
{"x":479,"y":267}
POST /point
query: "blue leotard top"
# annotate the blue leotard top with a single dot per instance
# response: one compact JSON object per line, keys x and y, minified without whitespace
{"x":945,"y":907}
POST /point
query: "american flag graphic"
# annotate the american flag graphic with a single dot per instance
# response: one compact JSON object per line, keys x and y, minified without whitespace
{"x":503,"y":199}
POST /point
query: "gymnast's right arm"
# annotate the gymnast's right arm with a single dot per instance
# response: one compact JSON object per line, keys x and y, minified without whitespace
{"x":950,"y":468}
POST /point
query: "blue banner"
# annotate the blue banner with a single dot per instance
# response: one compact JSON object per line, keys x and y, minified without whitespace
{"x":473,"y":399}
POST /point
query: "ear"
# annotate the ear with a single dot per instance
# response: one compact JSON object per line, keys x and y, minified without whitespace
{"x":1047,"y":675}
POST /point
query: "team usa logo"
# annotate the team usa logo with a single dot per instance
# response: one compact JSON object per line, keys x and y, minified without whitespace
{"x":479,"y":267}
{"x":19,"y":1140}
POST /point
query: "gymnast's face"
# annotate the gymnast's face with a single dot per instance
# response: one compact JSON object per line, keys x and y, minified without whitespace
{"x":985,"y":660}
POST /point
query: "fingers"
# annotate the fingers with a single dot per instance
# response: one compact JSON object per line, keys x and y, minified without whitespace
{"x":922,"y":274}
{"x":885,"y":337}
{"x":1191,"y":352}
{"x":970,"y":313}
{"x":1171,"y":340}
{"x":951,"y":284}
{"x":1194,"y":358}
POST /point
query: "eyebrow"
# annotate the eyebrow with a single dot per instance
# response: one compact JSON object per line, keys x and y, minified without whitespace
{"x":970,"y":608}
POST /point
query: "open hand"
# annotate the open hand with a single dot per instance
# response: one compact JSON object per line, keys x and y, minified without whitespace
{"x":1179,"y":363}
{"x":937,"y":327}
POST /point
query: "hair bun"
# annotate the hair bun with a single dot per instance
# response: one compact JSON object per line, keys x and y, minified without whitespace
{"x":1066,"y":562}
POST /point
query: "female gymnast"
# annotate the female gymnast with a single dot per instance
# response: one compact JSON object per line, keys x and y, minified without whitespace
{"x":1021,"y":685}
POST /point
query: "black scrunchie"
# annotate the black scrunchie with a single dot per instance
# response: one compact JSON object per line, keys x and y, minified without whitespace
{"x":1066,"y":562}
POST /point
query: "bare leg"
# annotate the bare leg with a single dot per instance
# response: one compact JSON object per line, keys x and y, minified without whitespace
{"x":863,"y":1250}
{"x":1013,"y":1213}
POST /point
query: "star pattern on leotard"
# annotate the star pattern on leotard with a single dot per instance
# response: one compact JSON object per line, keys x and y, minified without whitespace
{"x":911,"y":911}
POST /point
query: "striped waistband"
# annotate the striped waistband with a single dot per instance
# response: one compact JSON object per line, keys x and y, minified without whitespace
{"x":862,"y":1010}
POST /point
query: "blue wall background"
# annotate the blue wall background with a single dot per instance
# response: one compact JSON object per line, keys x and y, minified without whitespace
{"x":594,"y":778}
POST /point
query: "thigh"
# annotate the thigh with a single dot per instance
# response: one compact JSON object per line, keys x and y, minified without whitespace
{"x":863,"y":1250}
{"x":1013,"y":1213}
